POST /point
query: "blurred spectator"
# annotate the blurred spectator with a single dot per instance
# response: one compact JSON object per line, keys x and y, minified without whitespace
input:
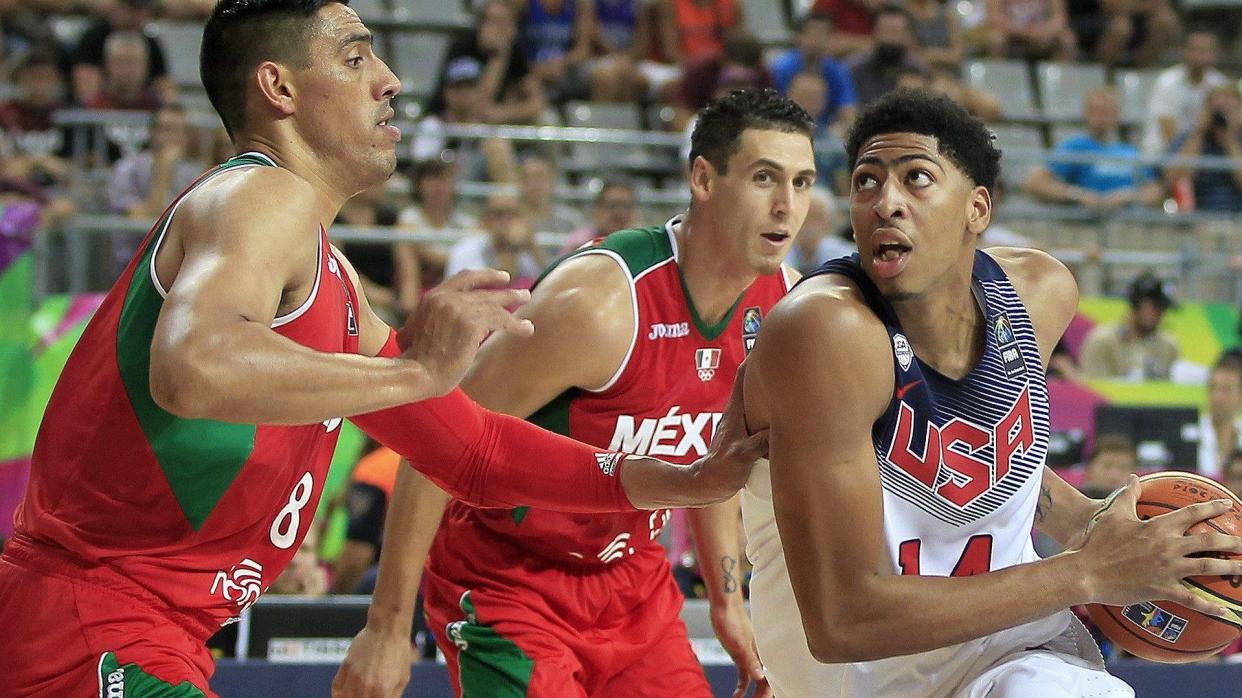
{"x":508,"y":243}
{"x":26,"y":120}
{"x":24,"y":31}
{"x":488,"y":159}
{"x":875,"y":70}
{"x":700,"y":27}
{"x":24,"y":208}
{"x":509,"y":92}
{"x":853,"y":22}
{"x":434,"y":212}
{"x":1135,"y":349}
{"x":125,"y":85}
{"x":1217,"y":133}
{"x":937,"y":33}
{"x":141,"y":184}
{"x":1030,"y":29}
{"x":90,"y":55}
{"x":626,"y":70}
{"x":558,"y":35}
{"x":809,"y":91}
{"x":1113,"y":460}
{"x":614,"y":210}
{"x":977,"y":101}
{"x":375,"y":262}
{"x":812,"y":52}
{"x":1220,"y":428}
{"x":1233,"y":472}
{"x":819,"y":239}
{"x":1099,"y":185}
{"x":366,"y":501}
{"x":1180,"y":91}
{"x":739,"y":65}
{"x":306,"y":574}
{"x":1115,"y":32}
{"x":539,"y":205}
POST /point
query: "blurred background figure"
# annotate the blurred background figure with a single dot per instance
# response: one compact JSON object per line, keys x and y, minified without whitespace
{"x":90,"y":57}
{"x":614,"y":210}
{"x":1136,"y":349}
{"x":508,"y":243}
{"x":1180,"y":91}
{"x":1031,"y":29}
{"x":1220,"y":428}
{"x":1112,"y":461}
{"x":539,"y":205}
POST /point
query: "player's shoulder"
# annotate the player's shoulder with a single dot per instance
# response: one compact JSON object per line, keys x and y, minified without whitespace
{"x":637,"y":250}
{"x":271,"y":199}
{"x":1036,"y":274}
{"x":828,"y":309}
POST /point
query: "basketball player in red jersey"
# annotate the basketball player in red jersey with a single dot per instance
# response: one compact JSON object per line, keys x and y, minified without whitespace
{"x":185,"y":446}
{"x":907,"y":449}
{"x":639,"y":338}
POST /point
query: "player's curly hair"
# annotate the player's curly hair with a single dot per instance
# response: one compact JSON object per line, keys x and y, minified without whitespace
{"x":718,"y":132}
{"x":241,"y":34}
{"x":962,"y":138}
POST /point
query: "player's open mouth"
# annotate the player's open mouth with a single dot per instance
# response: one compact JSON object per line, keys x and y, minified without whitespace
{"x":889,"y":259}
{"x":392,"y":131}
{"x":776,"y":238}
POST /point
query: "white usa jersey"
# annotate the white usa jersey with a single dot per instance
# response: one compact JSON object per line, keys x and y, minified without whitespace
{"x":960,"y":465}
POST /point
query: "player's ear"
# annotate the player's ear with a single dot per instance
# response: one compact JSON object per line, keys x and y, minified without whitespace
{"x":979,"y":211}
{"x":275,"y":87}
{"x":702,"y":173}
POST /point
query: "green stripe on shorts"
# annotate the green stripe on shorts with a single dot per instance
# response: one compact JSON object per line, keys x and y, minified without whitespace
{"x":130,"y":681}
{"x":489,"y":665}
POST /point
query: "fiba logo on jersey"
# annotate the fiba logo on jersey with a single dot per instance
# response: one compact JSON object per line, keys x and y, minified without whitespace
{"x":751,"y":319}
{"x":902,"y":350}
{"x":706,"y":361}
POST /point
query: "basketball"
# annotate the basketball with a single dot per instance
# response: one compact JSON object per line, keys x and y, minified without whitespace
{"x":1163,"y":631}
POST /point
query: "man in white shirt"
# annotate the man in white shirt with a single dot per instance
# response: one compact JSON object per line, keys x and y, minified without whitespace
{"x":1179,"y":91}
{"x":1220,"y":429}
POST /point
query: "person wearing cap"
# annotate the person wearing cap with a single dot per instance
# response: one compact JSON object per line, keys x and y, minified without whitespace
{"x":462,"y":102}
{"x":1134,"y":349}
{"x":87,"y":74}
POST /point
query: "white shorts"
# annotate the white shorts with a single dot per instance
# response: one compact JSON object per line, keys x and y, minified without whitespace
{"x":1045,"y":674}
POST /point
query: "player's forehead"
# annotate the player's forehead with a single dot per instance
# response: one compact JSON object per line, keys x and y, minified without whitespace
{"x":884,"y":149}
{"x":338,"y":24}
{"x":791,"y":150}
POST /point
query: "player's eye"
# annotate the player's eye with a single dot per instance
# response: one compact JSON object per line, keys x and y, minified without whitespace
{"x":919,"y":178}
{"x":865,"y":181}
{"x":355,"y":61}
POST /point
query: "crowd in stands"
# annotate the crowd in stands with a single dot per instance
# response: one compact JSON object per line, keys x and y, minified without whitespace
{"x":525,"y":62}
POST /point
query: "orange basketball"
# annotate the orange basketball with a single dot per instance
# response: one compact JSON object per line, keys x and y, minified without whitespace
{"x":1163,"y":631}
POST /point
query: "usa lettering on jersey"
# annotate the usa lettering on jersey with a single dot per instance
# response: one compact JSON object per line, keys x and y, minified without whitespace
{"x":950,"y":461}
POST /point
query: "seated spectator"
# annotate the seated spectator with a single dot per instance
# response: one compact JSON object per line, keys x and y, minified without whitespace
{"x":125,"y":84}
{"x":306,"y":575}
{"x":626,"y":70}
{"x":539,"y":205}
{"x":853,"y":23}
{"x":937,"y":34}
{"x":89,"y":58}
{"x":1217,"y":133}
{"x":739,"y":65}
{"x":819,"y":239}
{"x":613,"y":210}
{"x":1220,"y":428}
{"x":1233,"y":472}
{"x":875,"y":70}
{"x":809,"y":91}
{"x":488,"y":159}
{"x":700,"y":27}
{"x":1179,"y":92}
{"x":812,"y":53}
{"x":1113,"y":460}
{"x":1030,"y":29}
{"x":507,"y":243}
{"x":557,"y":35}
{"x":1099,"y":185}
{"x":370,"y":490}
{"x":1118,"y":33}
{"x":375,"y":262}
{"x":25,"y":30}
{"x":434,"y":212}
{"x":509,"y":92}
{"x":141,"y":184}
{"x":1135,"y":349}
{"x":26,"y":120}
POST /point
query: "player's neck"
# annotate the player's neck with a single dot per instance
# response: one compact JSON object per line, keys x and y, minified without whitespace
{"x":333,"y":192}
{"x":945,"y":328}
{"x":713,"y":281}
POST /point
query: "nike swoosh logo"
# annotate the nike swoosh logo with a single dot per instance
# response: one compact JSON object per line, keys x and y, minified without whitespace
{"x":901,"y":392}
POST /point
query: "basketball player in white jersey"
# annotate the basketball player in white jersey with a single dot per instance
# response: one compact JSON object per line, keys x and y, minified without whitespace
{"x":905,"y":393}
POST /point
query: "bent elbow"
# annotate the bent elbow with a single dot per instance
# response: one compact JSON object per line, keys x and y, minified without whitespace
{"x":175,"y":386}
{"x":843,"y":643}
{"x":830,"y":647}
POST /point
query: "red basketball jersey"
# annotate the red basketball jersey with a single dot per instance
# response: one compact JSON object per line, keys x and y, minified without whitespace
{"x":665,"y":401}
{"x":199,"y":515}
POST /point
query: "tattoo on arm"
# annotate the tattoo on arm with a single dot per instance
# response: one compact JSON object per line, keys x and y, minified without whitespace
{"x":1044,"y":504}
{"x":727,"y":565}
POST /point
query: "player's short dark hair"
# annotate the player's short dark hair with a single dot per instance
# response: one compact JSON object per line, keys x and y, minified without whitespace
{"x":239,"y":35}
{"x":960,"y":137}
{"x":718,"y":132}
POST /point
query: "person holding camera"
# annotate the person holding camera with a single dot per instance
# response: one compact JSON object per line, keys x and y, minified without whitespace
{"x":1217,"y":132}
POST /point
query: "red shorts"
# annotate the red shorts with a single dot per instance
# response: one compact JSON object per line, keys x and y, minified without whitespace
{"x":540,"y":629}
{"x":66,"y":637}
